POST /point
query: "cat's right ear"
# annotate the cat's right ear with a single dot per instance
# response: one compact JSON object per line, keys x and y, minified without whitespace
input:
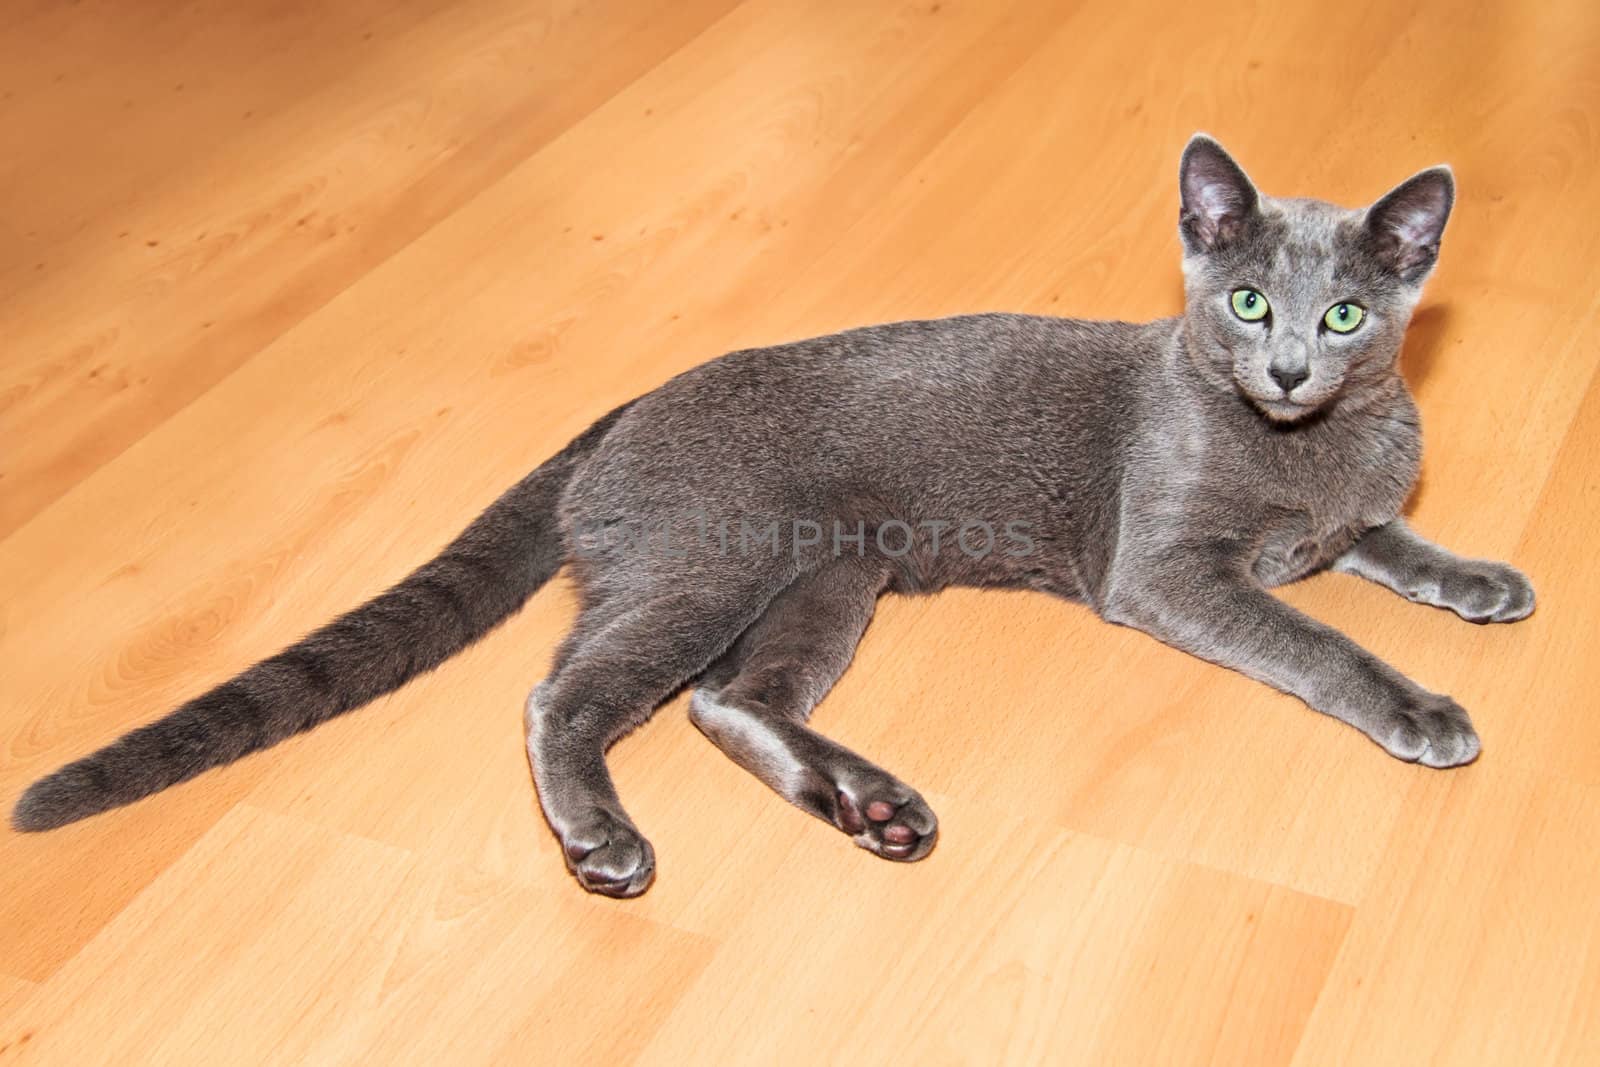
{"x":1218,"y":199}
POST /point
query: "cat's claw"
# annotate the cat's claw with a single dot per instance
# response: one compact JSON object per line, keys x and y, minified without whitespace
{"x":610,"y":858}
{"x":889,"y":820}
{"x":1434,"y":732}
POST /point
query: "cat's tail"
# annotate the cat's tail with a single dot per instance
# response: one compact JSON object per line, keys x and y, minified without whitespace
{"x":480,"y":579}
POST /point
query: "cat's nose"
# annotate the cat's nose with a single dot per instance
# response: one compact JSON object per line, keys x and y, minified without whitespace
{"x":1289,"y":377}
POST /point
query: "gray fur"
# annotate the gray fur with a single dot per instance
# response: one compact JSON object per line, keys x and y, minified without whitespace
{"x":1165,"y":475}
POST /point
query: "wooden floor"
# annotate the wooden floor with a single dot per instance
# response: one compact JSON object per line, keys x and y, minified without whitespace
{"x":289,"y":291}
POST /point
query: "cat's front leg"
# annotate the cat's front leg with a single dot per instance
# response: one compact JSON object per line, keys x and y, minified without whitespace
{"x":1207,"y":603}
{"x":1393,"y":555}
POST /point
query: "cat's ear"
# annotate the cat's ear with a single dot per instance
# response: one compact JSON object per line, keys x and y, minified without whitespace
{"x":1406,"y":225}
{"x":1218,"y":200}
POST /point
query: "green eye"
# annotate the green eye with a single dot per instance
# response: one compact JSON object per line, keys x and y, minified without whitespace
{"x":1342,"y":318}
{"x":1250,"y":305}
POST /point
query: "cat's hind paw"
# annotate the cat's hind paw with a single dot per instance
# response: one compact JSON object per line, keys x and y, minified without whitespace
{"x":887,"y":818}
{"x":609,"y":857}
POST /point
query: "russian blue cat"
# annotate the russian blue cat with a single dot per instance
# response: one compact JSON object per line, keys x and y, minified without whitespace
{"x":733,"y":529}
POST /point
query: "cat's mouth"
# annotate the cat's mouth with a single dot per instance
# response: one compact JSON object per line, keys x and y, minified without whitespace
{"x":1279,"y":406}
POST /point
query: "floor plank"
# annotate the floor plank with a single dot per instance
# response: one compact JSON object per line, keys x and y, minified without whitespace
{"x":1078,"y":945}
{"x":1480,"y":943}
{"x":360,"y":157}
{"x":282,"y":965}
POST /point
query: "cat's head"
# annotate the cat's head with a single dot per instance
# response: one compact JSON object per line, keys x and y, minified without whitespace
{"x":1298,"y":303}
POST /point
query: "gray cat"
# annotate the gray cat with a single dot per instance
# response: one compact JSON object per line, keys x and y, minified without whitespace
{"x":734,"y":528}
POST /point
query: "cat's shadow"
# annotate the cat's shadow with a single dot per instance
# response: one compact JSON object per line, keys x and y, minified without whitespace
{"x":1424,"y":343}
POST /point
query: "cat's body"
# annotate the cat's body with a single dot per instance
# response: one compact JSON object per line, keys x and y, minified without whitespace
{"x":735,"y":527}
{"x":1056,"y":419}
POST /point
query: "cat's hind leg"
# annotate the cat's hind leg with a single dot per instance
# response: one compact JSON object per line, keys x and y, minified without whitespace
{"x":618,"y":665}
{"x":754,"y":703}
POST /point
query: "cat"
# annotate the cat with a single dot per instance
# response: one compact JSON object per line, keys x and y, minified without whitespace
{"x":733,"y":529}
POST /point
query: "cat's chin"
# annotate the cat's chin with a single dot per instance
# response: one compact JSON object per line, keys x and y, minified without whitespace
{"x":1285,"y":412}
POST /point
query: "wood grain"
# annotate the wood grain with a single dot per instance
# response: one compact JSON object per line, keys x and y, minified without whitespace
{"x":289,"y":291}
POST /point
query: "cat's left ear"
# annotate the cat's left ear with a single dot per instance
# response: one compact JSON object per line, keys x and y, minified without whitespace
{"x":1406,"y":225}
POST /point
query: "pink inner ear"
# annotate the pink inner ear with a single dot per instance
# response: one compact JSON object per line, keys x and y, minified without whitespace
{"x":1413,"y":227}
{"x":1216,"y":200}
{"x":1216,"y":211}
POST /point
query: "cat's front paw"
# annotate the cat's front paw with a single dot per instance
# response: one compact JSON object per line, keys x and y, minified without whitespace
{"x":1432,"y":730}
{"x":1477,"y":590}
